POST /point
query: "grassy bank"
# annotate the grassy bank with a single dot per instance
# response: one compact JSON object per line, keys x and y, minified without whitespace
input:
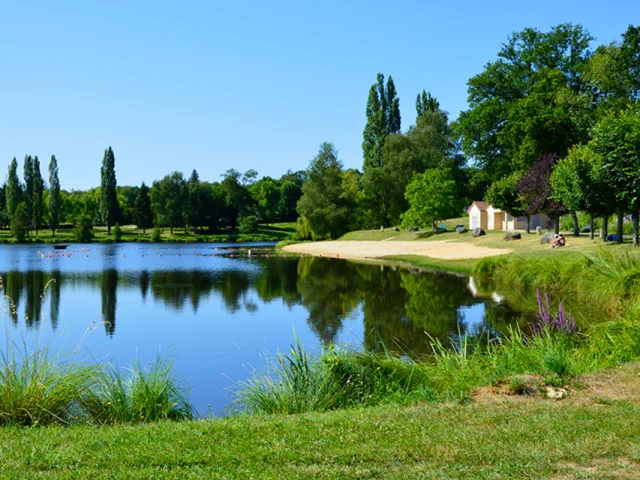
{"x":272,"y":233}
{"x":593,"y":434}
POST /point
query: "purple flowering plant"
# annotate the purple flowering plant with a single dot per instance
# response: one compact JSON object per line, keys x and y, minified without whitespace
{"x":547,"y":321}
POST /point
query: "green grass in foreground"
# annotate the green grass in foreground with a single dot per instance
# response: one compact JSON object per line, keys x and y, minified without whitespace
{"x":272,"y":233}
{"x":507,"y":437}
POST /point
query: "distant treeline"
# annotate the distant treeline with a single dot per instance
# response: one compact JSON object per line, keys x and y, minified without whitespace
{"x":238,"y":200}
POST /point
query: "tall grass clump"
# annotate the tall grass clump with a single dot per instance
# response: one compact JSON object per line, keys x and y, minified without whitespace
{"x":294,"y":383}
{"x":137,"y":394}
{"x":37,"y":390}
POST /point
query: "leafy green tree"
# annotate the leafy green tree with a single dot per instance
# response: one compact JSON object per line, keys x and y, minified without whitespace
{"x":426,"y":103}
{"x":143,"y":212}
{"x":4,"y":216}
{"x":577,"y":184}
{"x":325,"y":210}
{"x":28,"y":189}
{"x":433,"y":197}
{"x":195,"y":208}
{"x":108,"y":208}
{"x":38,"y":191}
{"x":168,"y":198}
{"x":14,"y":190}
{"x":616,"y":141}
{"x":238,"y":200}
{"x":290,"y":193}
{"x":529,"y":101}
{"x":266,"y":194}
{"x":20,"y":223}
{"x":383,"y":119}
{"x":503,"y":194}
{"x":54,"y":195}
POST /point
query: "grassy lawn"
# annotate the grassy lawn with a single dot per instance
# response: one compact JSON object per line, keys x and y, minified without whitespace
{"x":273,"y":232}
{"x":592,"y":434}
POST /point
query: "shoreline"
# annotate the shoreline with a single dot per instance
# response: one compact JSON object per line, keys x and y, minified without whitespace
{"x":441,"y":251}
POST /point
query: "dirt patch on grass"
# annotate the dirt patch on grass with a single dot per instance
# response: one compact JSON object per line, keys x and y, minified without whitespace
{"x":377,"y":249}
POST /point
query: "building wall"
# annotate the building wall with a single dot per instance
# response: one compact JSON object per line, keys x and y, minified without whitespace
{"x":477,"y":218}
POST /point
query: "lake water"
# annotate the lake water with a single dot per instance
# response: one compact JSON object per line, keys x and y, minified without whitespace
{"x":219,"y":312}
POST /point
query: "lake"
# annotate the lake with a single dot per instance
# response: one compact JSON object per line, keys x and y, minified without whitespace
{"x":219,"y":313}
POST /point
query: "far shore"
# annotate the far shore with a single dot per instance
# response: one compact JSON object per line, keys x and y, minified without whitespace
{"x":443,"y":250}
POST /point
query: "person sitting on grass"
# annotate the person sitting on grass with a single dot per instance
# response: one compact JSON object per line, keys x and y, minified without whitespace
{"x":558,"y":241}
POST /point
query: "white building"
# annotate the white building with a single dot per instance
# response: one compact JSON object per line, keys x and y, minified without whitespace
{"x":485,"y":216}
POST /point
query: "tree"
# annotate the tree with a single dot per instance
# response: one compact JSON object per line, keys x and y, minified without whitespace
{"x":536,"y":190}
{"x":14,"y":190}
{"x":504,"y":194}
{"x":38,"y":191}
{"x":616,"y":141}
{"x":28,"y":189}
{"x":195,"y":207}
{"x":266,"y":193}
{"x":528,"y":102}
{"x":290,"y":193}
{"x":54,"y":195}
{"x":108,"y":208}
{"x":143,"y":212}
{"x":20,"y":223}
{"x":323,"y":207}
{"x":169,"y":197}
{"x":236,"y":196}
{"x":433,"y":197}
{"x":426,"y":103}
{"x":577,"y":184}
{"x":383,"y":119}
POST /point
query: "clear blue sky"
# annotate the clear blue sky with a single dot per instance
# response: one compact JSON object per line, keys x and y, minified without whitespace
{"x":253,"y":84}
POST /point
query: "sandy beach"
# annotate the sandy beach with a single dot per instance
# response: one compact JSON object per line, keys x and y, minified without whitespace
{"x":377,"y":249}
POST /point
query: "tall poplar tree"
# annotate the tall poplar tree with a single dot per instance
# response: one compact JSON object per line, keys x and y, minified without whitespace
{"x":108,"y":199}
{"x":143,"y":212}
{"x":54,"y":195}
{"x":426,"y":103}
{"x":383,"y":119}
{"x":28,"y":190}
{"x":38,"y":191}
{"x":14,"y":190}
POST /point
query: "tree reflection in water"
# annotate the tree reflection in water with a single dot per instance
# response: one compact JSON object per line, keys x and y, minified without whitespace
{"x":399,"y":307}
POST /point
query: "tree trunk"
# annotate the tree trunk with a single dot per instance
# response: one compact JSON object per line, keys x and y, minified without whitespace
{"x":171,"y":229}
{"x":528,"y":223}
{"x":108,"y":229}
{"x":619,"y":229}
{"x":53,"y":232}
{"x":557,"y":226}
{"x":576,"y":227}
{"x":605,"y":227}
{"x":591,"y":226}
{"x":634,"y":217}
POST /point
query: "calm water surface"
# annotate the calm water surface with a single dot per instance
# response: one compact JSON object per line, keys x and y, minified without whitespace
{"x":219,"y":312}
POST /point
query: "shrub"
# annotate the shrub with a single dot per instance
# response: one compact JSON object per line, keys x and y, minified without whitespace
{"x":20,"y":223}
{"x":156,"y":235}
{"x":248,"y":224}
{"x":117,"y":232}
{"x":302,"y":229}
{"x":83,"y":232}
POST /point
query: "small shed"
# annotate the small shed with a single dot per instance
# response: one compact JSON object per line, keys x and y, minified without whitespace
{"x":478,"y":217}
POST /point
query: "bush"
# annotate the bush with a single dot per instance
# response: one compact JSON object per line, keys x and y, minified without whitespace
{"x":156,"y":235}
{"x":83,"y":232}
{"x":20,"y":223}
{"x":248,"y":224}
{"x":117,"y":232}
{"x":302,"y":229}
